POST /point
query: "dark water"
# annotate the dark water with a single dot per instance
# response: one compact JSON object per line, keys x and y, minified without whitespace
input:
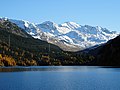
{"x":59,"y":78}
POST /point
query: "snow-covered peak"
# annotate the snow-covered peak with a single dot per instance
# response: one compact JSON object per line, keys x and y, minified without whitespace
{"x":70,"y":25}
{"x":48,"y":25}
{"x":98,"y":27}
{"x":26,"y":23}
{"x":30,"y":28}
{"x":19,"y":23}
{"x":4,"y":18}
{"x":67,"y":34}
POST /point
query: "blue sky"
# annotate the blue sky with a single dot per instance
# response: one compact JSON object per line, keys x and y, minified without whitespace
{"x":105,"y":13}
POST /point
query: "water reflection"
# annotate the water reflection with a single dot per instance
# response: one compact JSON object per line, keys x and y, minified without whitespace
{"x":57,"y":68}
{"x":45,"y":68}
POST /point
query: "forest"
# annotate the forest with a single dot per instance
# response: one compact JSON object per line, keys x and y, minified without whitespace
{"x":19,"y":48}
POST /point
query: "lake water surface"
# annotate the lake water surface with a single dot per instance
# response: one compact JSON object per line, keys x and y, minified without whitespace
{"x":59,"y":78}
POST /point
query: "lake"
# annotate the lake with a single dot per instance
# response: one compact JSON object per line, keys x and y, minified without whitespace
{"x":59,"y":78}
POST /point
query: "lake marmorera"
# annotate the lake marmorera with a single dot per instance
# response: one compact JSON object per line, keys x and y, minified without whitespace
{"x":59,"y":78}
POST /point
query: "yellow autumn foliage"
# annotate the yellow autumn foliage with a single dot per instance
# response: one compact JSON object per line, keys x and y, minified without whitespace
{"x":7,"y":61}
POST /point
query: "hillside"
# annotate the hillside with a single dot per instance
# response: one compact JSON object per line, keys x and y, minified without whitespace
{"x":19,"y":48}
{"x":107,"y":54}
{"x":69,"y":36}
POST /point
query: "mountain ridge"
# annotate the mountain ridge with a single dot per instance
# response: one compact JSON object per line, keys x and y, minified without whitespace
{"x":69,"y":36}
{"x":18,"y":48}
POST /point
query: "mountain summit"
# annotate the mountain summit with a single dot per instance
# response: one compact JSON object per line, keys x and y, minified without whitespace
{"x":69,"y":36}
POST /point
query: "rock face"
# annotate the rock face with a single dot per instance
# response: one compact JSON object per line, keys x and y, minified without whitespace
{"x":69,"y":36}
{"x":12,"y":28}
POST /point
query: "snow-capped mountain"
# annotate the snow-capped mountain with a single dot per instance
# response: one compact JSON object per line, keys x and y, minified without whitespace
{"x":69,"y":36}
